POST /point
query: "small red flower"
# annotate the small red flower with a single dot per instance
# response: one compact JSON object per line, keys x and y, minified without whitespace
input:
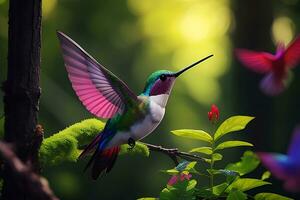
{"x":213,"y":114}
{"x":175,"y":178}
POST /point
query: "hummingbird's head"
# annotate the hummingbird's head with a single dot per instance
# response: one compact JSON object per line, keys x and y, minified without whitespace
{"x":159,"y":82}
{"x":162,"y":81}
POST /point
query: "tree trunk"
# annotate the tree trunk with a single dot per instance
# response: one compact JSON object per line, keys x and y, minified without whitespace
{"x":22,"y":91}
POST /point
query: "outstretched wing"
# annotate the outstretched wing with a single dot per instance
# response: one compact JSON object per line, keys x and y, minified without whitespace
{"x":260,"y":62}
{"x":102,"y":93}
{"x":278,"y":164}
{"x":282,"y":167}
{"x":292,"y":54}
{"x":293,"y":151}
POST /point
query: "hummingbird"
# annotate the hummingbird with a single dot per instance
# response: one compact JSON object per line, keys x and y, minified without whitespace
{"x":275,"y":67}
{"x":285,"y":166}
{"x":130,"y":117}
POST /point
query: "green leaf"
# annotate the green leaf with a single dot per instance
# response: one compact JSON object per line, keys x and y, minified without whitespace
{"x":191,"y":185}
{"x":182,"y":190}
{"x":266,"y":175}
{"x":230,"y":175}
{"x":270,"y":196}
{"x":190,"y":166}
{"x":207,"y":160}
{"x":217,"y":157}
{"x":236,"y":195}
{"x":230,"y":144}
{"x":166,"y":194}
{"x":147,"y":198}
{"x":248,"y":163}
{"x":139,"y":148}
{"x":204,"y":150}
{"x":171,"y":171}
{"x":231,"y":124}
{"x":244,"y":184}
{"x":219,"y":189}
{"x":184,"y":166}
{"x":193,"y":134}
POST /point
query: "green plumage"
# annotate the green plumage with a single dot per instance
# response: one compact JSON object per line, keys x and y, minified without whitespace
{"x":151,"y":80}
{"x":122,"y":122}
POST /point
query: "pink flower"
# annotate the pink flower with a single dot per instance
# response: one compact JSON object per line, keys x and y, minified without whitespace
{"x":185,"y":177}
{"x":213,"y":114}
{"x":175,"y":178}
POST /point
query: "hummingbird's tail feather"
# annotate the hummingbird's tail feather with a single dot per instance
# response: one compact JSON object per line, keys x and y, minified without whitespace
{"x":92,"y":159}
{"x":272,"y":85}
{"x":91,"y":146}
{"x":103,"y":161}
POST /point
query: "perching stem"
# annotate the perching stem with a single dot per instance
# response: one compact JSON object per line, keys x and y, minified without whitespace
{"x":173,"y":153}
{"x":212,"y":156}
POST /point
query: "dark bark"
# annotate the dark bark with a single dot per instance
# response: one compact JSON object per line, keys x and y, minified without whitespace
{"x":36,"y":186}
{"x":22,"y":91}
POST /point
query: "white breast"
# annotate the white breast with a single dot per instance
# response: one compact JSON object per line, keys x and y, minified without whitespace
{"x":144,"y":127}
{"x":151,"y":121}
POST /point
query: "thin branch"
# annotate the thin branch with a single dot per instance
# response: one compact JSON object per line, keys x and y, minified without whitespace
{"x":174,"y":153}
{"x":37,"y":187}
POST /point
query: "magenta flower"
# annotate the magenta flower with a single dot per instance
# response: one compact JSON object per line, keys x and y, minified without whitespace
{"x":175,"y":178}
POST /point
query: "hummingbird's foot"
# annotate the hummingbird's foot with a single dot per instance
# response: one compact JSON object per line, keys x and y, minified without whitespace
{"x":131,"y":143}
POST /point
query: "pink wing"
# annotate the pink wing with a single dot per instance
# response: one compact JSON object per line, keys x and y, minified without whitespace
{"x":292,"y":54}
{"x":92,"y":82}
{"x":260,"y":62}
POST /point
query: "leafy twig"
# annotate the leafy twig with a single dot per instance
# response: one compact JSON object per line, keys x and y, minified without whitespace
{"x":173,"y":153}
{"x":36,"y":186}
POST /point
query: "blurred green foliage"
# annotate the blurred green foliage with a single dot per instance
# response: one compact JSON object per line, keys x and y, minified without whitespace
{"x":132,"y":38}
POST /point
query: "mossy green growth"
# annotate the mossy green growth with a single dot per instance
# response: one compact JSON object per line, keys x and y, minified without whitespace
{"x":67,"y":144}
{"x":64,"y":145}
{"x":139,"y":148}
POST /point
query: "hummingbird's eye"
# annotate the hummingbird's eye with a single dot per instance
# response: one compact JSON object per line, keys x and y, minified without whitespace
{"x":163,"y":77}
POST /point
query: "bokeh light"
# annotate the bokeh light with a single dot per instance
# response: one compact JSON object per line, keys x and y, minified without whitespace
{"x":283,"y":30}
{"x":187,"y":31}
{"x":47,"y":7}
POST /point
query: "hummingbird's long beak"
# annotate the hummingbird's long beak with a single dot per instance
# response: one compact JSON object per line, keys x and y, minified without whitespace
{"x":192,"y":65}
